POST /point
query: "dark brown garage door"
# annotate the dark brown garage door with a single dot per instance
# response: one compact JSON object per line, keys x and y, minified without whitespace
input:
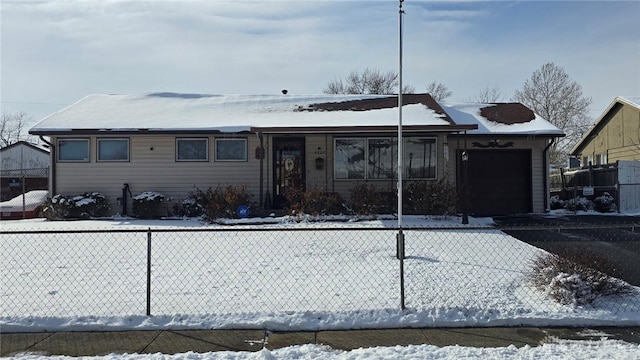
{"x":499,"y":182}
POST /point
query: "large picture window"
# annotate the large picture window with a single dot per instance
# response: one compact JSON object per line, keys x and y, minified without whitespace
{"x":350,"y":158}
{"x":383,"y":155}
{"x":192,"y":149}
{"x":113,"y":149}
{"x":420,"y":158}
{"x":376,"y":158}
{"x":73,"y":150}
{"x":231,"y":149}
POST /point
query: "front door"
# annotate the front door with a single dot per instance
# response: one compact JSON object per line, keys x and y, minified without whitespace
{"x":288,"y":168}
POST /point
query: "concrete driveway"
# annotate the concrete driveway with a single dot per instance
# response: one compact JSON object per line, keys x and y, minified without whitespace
{"x":615,"y":239}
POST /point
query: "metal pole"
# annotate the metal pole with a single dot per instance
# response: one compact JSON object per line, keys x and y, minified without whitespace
{"x":24,"y":200}
{"x":400,"y":237}
{"x":400,"y":150}
{"x":149,"y":272}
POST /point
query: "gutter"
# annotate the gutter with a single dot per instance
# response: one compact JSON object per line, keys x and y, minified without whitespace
{"x":52,"y":167}
{"x":545,"y":173}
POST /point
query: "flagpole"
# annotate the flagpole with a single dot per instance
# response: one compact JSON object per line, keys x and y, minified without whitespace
{"x":400,"y":236}
{"x":400,"y":142}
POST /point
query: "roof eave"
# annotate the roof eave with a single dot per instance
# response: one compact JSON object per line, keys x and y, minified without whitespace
{"x":363,"y":129}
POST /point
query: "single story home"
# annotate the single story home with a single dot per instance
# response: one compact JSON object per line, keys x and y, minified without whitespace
{"x":614,"y":136}
{"x":24,"y":167}
{"x":174,"y":143}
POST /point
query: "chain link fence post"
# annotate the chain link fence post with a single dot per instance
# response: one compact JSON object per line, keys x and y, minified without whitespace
{"x":149,"y":272}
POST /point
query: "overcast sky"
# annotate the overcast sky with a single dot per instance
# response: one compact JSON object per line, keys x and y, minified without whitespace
{"x":55,"y":52}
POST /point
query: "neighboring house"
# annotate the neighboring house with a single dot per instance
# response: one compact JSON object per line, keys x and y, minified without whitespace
{"x":614,"y":136}
{"x":175,"y":143}
{"x":24,"y":166}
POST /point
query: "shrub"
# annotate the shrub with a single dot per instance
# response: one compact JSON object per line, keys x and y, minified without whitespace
{"x":216,"y":203}
{"x":83,"y":206}
{"x":556,"y":203}
{"x":366,"y":199}
{"x":91,"y":204}
{"x":429,"y":198}
{"x":234,"y":196}
{"x":579,"y":203}
{"x":148,"y":205}
{"x":315,"y":201}
{"x":576,"y":278}
{"x":57,"y":207}
{"x":604,"y":203}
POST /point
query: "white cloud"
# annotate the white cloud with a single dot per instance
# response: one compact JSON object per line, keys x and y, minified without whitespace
{"x":59,"y":51}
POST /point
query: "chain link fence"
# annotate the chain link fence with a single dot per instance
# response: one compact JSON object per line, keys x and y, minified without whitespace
{"x":463,"y":274}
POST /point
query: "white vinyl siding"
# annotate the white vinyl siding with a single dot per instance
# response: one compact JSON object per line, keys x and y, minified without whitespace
{"x":153,"y":168}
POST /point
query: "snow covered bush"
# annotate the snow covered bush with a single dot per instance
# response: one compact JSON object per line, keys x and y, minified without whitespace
{"x":575,"y":278}
{"x":57,"y":207}
{"x":579,"y":203}
{"x":429,"y":198}
{"x":315,"y":201}
{"x":556,"y":203}
{"x":604,"y":203}
{"x":83,"y":206}
{"x":148,"y":205}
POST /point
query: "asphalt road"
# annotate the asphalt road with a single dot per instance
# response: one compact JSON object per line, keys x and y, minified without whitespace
{"x":614,"y":239}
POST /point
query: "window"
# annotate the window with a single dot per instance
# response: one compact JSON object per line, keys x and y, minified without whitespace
{"x":381,"y":156}
{"x":73,"y":150}
{"x":231,"y":149}
{"x":113,"y":149}
{"x":349,"y":158}
{"x":420,"y":158}
{"x":192,"y":149}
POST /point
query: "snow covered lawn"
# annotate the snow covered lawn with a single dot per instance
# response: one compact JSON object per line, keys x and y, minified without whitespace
{"x":286,"y":278}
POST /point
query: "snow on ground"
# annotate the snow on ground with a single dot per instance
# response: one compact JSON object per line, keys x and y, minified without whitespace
{"x":468,"y":286}
{"x":342,"y":279}
{"x":563,"y":349}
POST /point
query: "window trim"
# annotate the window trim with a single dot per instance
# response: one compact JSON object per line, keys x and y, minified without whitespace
{"x":98,"y":140}
{"x":58,"y":153}
{"x":206,"y":152}
{"x":246,"y":149}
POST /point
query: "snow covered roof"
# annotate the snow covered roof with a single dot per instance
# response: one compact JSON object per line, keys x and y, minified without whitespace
{"x":601,"y":121}
{"x":182,"y":113}
{"x":39,"y":147}
{"x":501,"y":118}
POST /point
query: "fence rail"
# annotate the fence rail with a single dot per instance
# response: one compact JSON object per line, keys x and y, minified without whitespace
{"x":463,"y":271}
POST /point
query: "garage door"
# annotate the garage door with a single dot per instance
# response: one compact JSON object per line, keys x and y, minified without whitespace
{"x":499,"y":182}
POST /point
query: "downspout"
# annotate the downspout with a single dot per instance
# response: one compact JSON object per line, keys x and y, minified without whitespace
{"x":52,"y":167}
{"x":545,"y":173}
{"x":261,"y":154}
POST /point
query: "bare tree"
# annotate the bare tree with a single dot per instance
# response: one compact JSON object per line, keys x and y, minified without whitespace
{"x":487,"y":95}
{"x":553,"y":95}
{"x":438,"y":91}
{"x":12,"y":126}
{"x":366,"y":82}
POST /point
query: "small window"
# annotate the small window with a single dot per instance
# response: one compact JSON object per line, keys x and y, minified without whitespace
{"x":192,"y":149}
{"x":113,"y":149}
{"x":231,"y":149}
{"x":73,"y":150}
